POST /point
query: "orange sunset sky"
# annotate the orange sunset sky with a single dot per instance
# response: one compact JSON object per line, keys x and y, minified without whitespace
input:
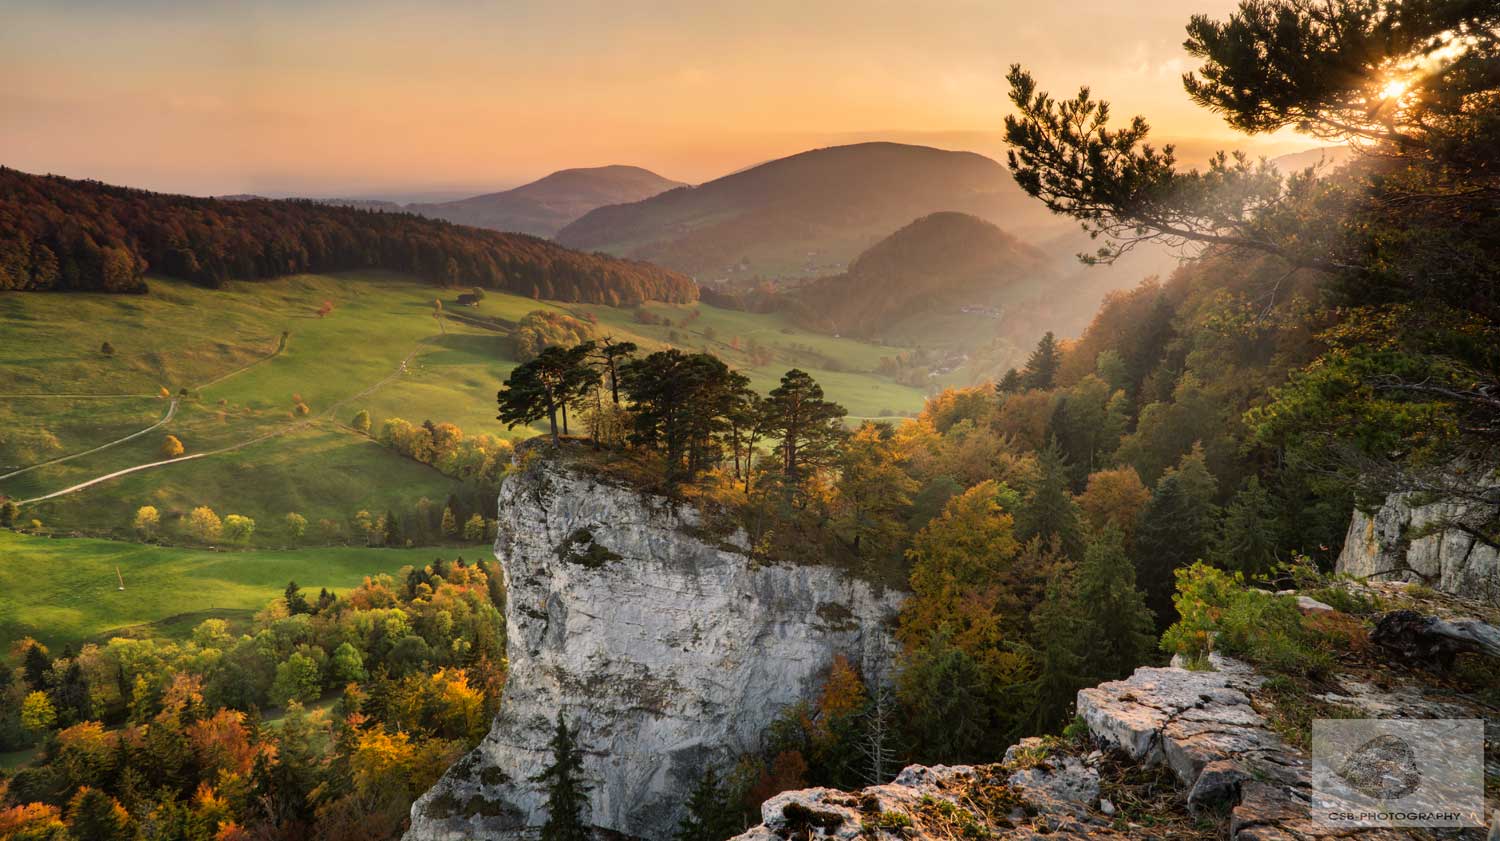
{"x":327,"y":97}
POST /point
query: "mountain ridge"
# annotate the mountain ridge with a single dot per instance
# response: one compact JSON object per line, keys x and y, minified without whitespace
{"x":544,"y":206}
{"x":806,"y":214}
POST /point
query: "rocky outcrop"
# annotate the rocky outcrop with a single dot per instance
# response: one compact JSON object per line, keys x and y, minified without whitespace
{"x":1432,"y":544}
{"x":666,"y":645}
{"x":1235,"y":774}
{"x":1033,"y":793}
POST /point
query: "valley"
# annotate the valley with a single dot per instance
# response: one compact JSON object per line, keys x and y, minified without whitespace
{"x":235,"y":366}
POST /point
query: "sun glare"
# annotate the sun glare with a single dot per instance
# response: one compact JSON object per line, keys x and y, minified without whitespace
{"x":1394,"y":89}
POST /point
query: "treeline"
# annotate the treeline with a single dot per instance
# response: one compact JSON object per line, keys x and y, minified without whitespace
{"x":62,"y":234}
{"x":155,"y":739}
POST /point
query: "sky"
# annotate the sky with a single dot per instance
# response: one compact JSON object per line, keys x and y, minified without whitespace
{"x":409,"y":100}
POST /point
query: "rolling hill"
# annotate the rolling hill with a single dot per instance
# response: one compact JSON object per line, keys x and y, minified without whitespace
{"x":544,"y":206}
{"x":943,"y":264}
{"x":804,"y":215}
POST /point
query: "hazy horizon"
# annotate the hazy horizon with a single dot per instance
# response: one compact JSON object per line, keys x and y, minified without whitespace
{"x":334,"y":99}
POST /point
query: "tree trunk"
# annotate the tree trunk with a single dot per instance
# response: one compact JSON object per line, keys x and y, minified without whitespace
{"x":552,"y":416}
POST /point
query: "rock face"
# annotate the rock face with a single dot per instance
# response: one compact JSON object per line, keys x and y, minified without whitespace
{"x":1401,"y":541}
{"x":1203,"y":727}
{"x":668,"y":648}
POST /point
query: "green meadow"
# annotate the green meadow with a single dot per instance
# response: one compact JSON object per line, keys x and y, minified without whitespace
{"x":261,"y":388}
{"x":64,"y":590}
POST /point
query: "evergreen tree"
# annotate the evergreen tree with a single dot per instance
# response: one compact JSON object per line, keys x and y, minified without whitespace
{"x":36,"y":665}
{"x":1050,"y":512}
{"x":1011,"y":383}
{"x":450,"y":523}
{"x":1118,"y":629}
{"x":710,"y":816}
{"x":295,"y":602}
{"x":950,"y":706}
{"x":1177,"y":528}
{"x":1248,"y":540}
{"x":392,"y":535}
{"x":95,"y":816}
{"x":544,"y":386}
{"x":808,"y":426}
{"x":1040,"y":371}
{"x":611,"y":354}
{"x":1057,"y":651}
{"x":680,"y":402}
{"x":566,"y":789}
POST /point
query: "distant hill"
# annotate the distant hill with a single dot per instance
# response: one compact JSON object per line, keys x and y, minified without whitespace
{"x":544,"y":206}
{"x":945,"y":267}
{"x":804,"y":215}
{"x":62,"y":234}
{"x":1325,"y":158}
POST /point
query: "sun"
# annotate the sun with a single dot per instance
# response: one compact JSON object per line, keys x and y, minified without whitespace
{"x":1394,"y":89}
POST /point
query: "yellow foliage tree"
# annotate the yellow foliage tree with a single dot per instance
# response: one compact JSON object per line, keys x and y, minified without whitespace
{"x":204,"y":524}
{"x":171,"y":447}
{"x":147,"y":518}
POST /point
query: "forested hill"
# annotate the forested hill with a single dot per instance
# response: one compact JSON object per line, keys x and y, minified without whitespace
{"x":63,"y":234}
{"x":940,"y":264}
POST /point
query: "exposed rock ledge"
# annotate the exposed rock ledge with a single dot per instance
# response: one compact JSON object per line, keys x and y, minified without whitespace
{"x":1200,"y":724}
{"x":669,"y":648}
{"x":1426,"y":544}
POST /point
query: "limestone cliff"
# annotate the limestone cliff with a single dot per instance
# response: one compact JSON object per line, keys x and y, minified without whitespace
{"x":1432,"y":544}
{"x":669,"y":648}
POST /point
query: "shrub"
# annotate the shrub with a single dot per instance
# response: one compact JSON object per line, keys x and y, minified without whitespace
{"x":1220,"y":612}
{"x":171,"y":447}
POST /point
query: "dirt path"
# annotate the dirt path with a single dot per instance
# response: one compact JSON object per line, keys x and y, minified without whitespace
{"x":280,"y":346}
{"x":294,"y":427}
{"x":171,"y":410}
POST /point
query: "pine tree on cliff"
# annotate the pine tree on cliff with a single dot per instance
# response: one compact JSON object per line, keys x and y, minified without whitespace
{"x":566,"y":789}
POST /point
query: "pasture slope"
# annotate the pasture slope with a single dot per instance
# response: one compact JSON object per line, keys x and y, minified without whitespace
{"x":225,"y":372}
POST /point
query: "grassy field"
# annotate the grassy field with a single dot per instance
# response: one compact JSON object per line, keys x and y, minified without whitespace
{"x":242,"y":359}
{"x":65,"y":591}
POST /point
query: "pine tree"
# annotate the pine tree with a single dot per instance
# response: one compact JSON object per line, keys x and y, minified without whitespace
{"x":295,"y":602}
{"x":710,"y":817}
{"x":1176,"y":529}
{"x":36,"y":665}
{"x":1118,"y":628}
{"x":1040,"y":371}
{"x":1011,"y":383}
{"x":566,"y":788}
{"x":1050,"y":512}
{"x":392,"y":535}
{"x":1247,"y":543}
{"x":450,"y":523}
{"x":1057,"y":652}
{"x":95,"y":816}
{"x":808,"y":426}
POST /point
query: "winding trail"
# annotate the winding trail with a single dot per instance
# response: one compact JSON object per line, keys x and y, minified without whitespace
{"x":171,"y":410}
{"x":280,"y":346}
{"x":294,"y":427}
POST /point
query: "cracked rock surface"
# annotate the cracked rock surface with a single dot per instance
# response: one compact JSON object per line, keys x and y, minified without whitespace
{"x":1432,"y":544}
{"x":669,"y":649}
